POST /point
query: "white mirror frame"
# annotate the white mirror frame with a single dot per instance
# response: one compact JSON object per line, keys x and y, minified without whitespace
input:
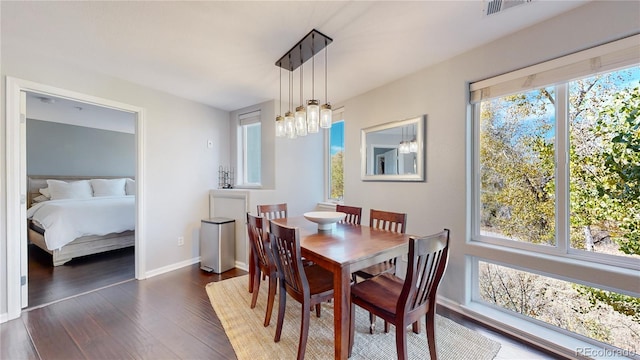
{"x":366,"y":151}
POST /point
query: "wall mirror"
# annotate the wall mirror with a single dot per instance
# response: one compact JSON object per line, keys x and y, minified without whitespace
{"x":394,"y":151}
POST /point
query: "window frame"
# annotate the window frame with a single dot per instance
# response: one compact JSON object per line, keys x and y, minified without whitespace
{"x":245,"y":121}
{"x":482,"y":90}
{"x":337,"y":116}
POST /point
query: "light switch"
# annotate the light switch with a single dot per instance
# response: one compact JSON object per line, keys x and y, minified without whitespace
{"x":210,"y":144}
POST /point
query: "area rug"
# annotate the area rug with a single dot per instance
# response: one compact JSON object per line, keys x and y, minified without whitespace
{"x":251,"y":340}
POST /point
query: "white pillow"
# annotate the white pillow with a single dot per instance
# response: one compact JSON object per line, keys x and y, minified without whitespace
{"x":46,"y":192}
{"x":69,"y":190}
{"x":108,"y":187}
{"x":130,"y":187}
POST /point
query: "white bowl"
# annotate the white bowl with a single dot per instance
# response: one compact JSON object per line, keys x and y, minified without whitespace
{"x":324,"y":219}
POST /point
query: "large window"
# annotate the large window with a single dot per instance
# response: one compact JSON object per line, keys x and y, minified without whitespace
{"x":336,"y":159}
{"x":249,"y":148}
{"x":557,"y":172}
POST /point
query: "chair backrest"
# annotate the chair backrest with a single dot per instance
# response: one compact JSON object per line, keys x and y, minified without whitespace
{"x":259,"y":241}
{"x":354,"y":214}
{"x":285,"y":246}
{"x":428,"y":257}
{"x":273,"y":211}
{"x":386,"y":220}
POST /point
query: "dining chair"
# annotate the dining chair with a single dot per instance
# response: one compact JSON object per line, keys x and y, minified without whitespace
{"x":354,"y":214}
{"x":403,"y":302}
{"x":263,"y":263}
{"x":384,"y":220}
{"x":309,"y":285}
{"x":272,"y":211}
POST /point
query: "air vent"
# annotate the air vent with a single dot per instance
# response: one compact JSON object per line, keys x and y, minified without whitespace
{"x":496,"y":6}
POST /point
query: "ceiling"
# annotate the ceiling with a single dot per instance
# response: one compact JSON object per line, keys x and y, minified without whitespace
{"x":223,"y":53}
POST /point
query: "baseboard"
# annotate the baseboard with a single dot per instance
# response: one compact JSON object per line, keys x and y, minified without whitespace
{"x":4,"y":317}
{"x":172,"y":267}
{"x":242,"y":266}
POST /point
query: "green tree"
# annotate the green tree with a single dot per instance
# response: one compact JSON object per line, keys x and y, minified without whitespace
{"x":337,"y":175}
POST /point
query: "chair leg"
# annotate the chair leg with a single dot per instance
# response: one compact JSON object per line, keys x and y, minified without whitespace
{"x":273,"y":283}
{"x":281,"y":307}
{"x":416,"y":327}
{"x":304,"y":332}
{"x":430,"y":323}
{"x":401,"y":341}
{"x":256,"y":287}
{"x":386,"y":327}
{"x":318,"y":309}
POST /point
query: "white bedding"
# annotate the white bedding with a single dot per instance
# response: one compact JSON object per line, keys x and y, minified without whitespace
{"x":68,"y":219}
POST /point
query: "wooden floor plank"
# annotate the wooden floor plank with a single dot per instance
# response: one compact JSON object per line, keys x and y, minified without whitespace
{"x":126,"y":334}
{"x":48,"y":283}
{"x":49,"y":336}
{"x":15,"y":342}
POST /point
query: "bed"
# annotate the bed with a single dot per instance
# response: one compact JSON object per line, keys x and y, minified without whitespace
{"x":68,"y":226}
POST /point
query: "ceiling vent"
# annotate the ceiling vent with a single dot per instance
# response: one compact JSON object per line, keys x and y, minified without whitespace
{"x":496,"y":6}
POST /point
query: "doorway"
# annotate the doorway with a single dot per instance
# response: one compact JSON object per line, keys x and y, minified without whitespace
{"x":17,"y":264}
{"x":70,"y":141}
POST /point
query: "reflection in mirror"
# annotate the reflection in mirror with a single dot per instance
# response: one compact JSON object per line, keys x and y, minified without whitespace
{"x":394,"y":151}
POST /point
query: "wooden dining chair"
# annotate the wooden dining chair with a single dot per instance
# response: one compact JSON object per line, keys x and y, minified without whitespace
{"x":384,"y":220}
{"x":403,"y":302}
{"x":263,"y":263}
{"x":354,"y":214}
{"x":272,"y":211}
{"x":309,"y":285}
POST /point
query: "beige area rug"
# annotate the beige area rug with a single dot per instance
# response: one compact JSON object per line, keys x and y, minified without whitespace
{"x":252,"y":341}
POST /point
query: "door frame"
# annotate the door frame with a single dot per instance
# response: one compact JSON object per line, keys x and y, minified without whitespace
{"x":16,"y":181}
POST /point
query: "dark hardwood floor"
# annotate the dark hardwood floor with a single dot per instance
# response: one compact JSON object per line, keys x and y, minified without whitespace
{"x":48,"y":283}
{"x":168,"y":316}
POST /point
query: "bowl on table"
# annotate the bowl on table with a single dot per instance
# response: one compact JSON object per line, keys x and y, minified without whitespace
{"x":324,"y":219}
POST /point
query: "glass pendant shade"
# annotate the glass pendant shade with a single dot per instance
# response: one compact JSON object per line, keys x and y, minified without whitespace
{"x":413,"y":146}
{"x":301,"y":121}
{"x":280,"y":132}
{"x":289,"y":125}
{"x":404,"y":147}
{"x":313,"y":116}
{"x":325,"y":116}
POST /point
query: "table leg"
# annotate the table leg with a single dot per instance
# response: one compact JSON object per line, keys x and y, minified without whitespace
{"x":341,"y":311}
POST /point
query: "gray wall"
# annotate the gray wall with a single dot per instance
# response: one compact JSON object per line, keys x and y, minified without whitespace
{"x":61,"y":149}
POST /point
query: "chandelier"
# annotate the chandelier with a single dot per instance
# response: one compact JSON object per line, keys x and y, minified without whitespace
{"x":306,"y":119}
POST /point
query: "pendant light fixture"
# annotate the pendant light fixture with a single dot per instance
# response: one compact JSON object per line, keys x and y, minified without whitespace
{"x":289,"y":123}
{"x":309,"y":119}
{"x":325,"y":110}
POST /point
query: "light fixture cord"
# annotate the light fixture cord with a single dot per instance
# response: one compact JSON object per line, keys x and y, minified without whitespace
{"x":326,"y":98}
{"x":313,"y":67}
{"x":280,"y":106}
{"x":301,"y":75}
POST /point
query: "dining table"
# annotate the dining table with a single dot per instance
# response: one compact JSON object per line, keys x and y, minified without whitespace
{"x":343,"y":250}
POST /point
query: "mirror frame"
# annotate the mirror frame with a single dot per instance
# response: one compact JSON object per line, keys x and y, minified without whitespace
{"x":420,"y":122}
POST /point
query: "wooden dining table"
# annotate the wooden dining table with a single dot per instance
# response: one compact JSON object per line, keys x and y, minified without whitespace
{"x":345,"y":249}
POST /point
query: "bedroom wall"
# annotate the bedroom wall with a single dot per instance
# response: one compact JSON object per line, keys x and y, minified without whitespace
{"x":61,"y":149}
{"x":441,"y":92}
{"x":179,"y":169}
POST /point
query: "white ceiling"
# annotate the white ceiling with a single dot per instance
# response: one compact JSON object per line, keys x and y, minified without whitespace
{"x":222,"y":53}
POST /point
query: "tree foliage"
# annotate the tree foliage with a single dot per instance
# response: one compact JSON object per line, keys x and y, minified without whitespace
{"x":518,"y":179}
{"x":337,"y":175}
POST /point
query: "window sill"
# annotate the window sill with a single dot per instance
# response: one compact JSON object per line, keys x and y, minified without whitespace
{"x":553,"y":340}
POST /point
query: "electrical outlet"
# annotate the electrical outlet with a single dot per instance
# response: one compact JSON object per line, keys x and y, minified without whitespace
{"x":180,"y":241}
